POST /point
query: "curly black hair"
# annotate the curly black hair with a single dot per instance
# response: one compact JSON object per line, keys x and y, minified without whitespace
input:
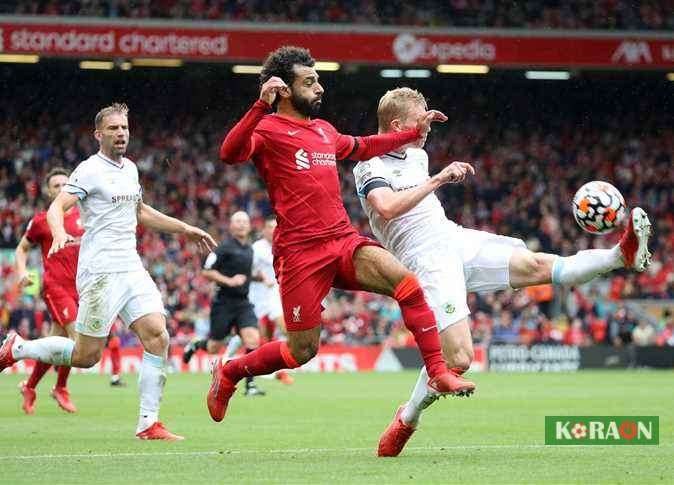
{"x":281,"y":61}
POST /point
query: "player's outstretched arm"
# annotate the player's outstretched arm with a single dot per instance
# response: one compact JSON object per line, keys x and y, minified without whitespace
{"x":20,"y":259}
{"x":367,"y":147}
{"x":60,"y":238}
{"x":152,"y":218}
{"x":240,"y":143}
{"x":390,"y":204}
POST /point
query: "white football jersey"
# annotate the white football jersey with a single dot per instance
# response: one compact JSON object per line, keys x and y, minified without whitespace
{"x":109,"y":195}
{"x":263,"y":261}
{"x":422,"y":227}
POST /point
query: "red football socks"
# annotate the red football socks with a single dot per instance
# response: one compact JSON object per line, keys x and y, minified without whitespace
{"x":39,"y":371}
{"x":115,"y":355}
{"x":62,"y":372}
{"x":266,"y":359}
{"x":419,"y":320}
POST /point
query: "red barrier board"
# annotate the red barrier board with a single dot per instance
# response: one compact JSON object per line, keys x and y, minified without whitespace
{"x":228,"y":43}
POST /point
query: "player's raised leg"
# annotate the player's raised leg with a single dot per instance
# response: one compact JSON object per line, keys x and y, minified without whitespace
{"x":379,"y":271}
{"x":528,"y":268}
{"x":151,"y":331}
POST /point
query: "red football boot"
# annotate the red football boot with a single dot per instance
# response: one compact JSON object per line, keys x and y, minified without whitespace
{"x":6,"y":358}
{"x":158,"y":432}
{"x":284,"y":377}
{"x":220,"y":392}
{"x":62,"y":397}
{"x":395,"y":437}
{"x":634,"y":241}
{"x":28,"y":394}
{"x":450,"y":383}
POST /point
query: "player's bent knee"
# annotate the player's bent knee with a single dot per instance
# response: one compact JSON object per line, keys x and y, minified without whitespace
{"x":305,"y":352}
{"x":84,"y":360}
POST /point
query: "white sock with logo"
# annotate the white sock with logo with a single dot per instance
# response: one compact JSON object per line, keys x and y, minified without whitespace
{"x":233,"y":345}
{"x":151,"y":380}
{"x":421,"y":398}
{"x":50,"y":350}
{"x":585,"y":265}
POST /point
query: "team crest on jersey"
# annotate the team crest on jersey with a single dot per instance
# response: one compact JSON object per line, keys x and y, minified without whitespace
{"x":296,"y":313}
{"x":323,"y":137}
{"x":449,"y":308}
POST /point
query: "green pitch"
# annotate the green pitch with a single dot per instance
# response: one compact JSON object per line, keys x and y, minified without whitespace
{"x":325,"y":428}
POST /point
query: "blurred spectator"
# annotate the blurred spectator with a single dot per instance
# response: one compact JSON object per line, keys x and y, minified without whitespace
{"x":539,"y":14}
{"x":643,"y":334}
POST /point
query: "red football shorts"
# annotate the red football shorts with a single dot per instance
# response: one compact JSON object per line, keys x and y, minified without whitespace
{"x":62,"y":304}
{"x":306,"y":275}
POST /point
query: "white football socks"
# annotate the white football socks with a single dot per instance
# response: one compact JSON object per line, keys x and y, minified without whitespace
{"x":585,"y":265}
{"x":233,"y":345}
{"x":421,"y":398}
{"x":50,"y":350}
{"x":151,"y":382}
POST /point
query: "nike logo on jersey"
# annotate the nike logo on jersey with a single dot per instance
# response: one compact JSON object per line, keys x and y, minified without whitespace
{"x":427,"y":329}
{"x":293,"y":133}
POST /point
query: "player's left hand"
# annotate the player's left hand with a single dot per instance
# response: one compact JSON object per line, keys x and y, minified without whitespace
{"x":424,"y":123}
{"x":457,"y":171}
{"x":204,"y":240}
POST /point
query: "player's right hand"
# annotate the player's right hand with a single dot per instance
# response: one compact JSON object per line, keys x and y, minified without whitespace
{"x":25,"y":279}
{"x":269,"y":89}
{"x":59,"y":242}
{"x":237,"y":280}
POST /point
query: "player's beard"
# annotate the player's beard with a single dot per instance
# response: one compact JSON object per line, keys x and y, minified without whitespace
{"x":305,"y":107}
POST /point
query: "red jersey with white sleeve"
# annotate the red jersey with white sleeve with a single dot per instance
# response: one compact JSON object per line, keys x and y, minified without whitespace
{"x":60,"y":270}
{"x":297,"y":160}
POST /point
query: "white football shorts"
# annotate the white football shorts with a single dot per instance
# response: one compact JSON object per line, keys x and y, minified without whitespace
{"x":268,"y":304}
{"x":469,"y":261}
{"x":104,"y":296}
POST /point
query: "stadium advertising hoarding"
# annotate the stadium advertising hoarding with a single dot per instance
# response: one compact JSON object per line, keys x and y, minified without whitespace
{"x":210,"y":41}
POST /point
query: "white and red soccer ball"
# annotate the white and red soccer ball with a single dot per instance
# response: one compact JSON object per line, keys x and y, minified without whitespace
{"x":598,"y":207}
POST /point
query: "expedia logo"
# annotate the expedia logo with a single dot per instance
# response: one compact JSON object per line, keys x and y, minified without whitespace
{"x":408,"y":48}
{"x":633,"y":52}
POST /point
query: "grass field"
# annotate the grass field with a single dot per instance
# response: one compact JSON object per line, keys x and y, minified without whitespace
{"x":325,"y":428}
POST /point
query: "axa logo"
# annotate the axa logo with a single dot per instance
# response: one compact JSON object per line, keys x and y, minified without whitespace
{"x":302,"y":160}
{"x":633,"y":52}
{"x":296,"y":314}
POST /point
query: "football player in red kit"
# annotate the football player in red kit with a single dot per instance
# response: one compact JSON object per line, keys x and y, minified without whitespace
{"x":315,"y":247}
{"x":59,"y":291}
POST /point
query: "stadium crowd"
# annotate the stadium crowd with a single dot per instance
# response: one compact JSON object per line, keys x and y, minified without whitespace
{"x":539,"y":14}
{"x":529,"y":162}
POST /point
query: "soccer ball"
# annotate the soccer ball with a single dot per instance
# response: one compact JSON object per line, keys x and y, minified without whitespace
{"x":598,"y":207}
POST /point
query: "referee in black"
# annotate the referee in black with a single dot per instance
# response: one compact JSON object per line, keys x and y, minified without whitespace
{"x":230,"y":266}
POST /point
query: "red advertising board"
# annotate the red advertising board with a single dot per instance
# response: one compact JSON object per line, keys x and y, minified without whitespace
{"x":231,"y":42}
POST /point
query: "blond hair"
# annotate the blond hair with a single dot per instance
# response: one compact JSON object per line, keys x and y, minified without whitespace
{"x":114,"y":108}
{"x":395,"y":104}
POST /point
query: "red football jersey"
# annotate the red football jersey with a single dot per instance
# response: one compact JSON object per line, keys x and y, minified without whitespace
{"x":61,"y":268}
{"x":297,"y":160}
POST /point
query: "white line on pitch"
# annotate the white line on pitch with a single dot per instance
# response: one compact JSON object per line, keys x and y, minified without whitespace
{"x":281,"y":451}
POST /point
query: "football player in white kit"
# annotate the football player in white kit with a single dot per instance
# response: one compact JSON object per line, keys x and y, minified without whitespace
{"x":111,"y":280}
{"x":398,"y":196}
{"x":264,"y":290}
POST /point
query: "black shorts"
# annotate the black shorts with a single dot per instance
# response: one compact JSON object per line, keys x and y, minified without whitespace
{"x":228,"y":315}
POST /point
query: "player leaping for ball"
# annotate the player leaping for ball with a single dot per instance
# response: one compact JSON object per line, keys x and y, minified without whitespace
{"x":398,"y":196}
{"x":111,"y":280}
{"x":315,"y":247}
